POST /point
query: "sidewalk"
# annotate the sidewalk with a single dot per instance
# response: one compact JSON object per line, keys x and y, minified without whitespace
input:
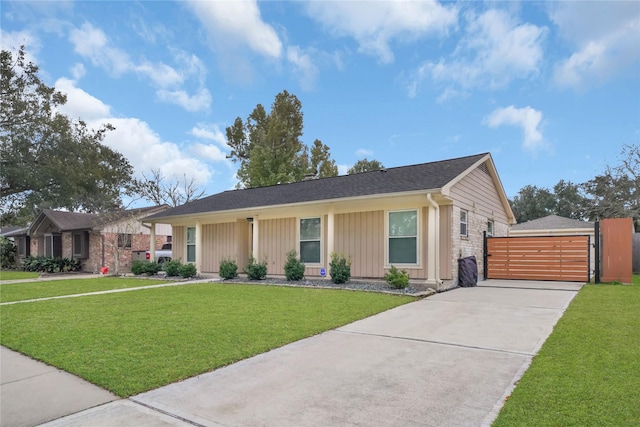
{"x":32,"y":393}
{"x":447,"y":360}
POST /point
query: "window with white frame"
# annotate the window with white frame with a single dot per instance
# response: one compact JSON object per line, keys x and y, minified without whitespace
{"x":464,"y":229}
{"x":403,"y":237}
{"x":310,"y":240}
{"x":490,"y":228}
{"x":191,"y":244}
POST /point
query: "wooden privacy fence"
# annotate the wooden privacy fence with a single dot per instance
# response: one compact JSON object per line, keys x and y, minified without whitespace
{"x":617,"y":247}
{"x":563,"y":258}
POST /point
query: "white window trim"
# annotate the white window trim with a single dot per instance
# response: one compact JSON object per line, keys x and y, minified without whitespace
{"x":311,"y":264}
{"x":186,"y":243}
{"x":493,"y":227}
{"x":466,"y":223}
{"x":418,"y":263}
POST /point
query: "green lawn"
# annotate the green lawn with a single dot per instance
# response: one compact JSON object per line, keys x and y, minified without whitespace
{"x":17,"y":275}
{"x":135,"y":341}
{"x":588,"y":371}
{"x":32,"y":290}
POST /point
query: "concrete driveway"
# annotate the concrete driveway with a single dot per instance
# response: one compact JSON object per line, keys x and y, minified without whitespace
{"x":447,"y":360}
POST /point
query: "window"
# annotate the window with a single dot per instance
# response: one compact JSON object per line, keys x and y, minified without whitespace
{"x":403,"y":237}
{"x":490,"y":228}
{"x":80,"y":245}
{"x":310,"y":240}
{"x":191,"y":244}
{"x":24,"y":246}
{"x":124,"y":241}
{"x":53,"y":245}
{"x":463,"y":223}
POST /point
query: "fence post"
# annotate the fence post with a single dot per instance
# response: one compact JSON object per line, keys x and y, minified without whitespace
{"x":596,"y":237}
{"x":485,"y":260}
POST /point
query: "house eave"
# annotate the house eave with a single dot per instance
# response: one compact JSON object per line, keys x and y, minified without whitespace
{"x":255,"y":210}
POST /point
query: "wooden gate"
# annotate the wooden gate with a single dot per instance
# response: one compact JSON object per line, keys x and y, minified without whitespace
{"x":563,"y":258}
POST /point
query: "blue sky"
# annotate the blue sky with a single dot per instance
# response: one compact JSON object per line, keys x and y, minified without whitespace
{"x":551,"y":89}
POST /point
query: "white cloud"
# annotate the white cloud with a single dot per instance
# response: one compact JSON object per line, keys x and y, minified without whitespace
{"x":343,"y":169}
{"x":92,"y":43}
{"x":527,"y":118}
{"x":605,"y":35}
{"x":210,"y":133}
{"x":133,"y":138}
{"x":495,"y":50}
{"x":238,"y":22}
{"x":80,"y":104}
{"x":78,"y":71}
{"x":12,"y":40}
{"x":363,"y":152}
{"x":199,"y":101}
{"x":374,"y":25}
{"x":303,"y":65}
{"x":209,"y":151}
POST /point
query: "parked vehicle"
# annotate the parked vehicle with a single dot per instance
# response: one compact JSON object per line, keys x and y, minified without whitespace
{"x":161,"y":255}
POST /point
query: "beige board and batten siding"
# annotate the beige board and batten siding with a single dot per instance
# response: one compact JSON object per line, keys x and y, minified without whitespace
{"x":179,"y":244}
{"x":446,"y":246}
{"x":362,"y":237}
{"x":276,"y":238}
{"x":219,"y":241}
{"x":359,"y":236}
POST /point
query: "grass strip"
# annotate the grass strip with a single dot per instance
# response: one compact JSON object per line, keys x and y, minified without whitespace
{"x":135,"y":341}
{"x":588,"y":371}
{"x":17,"y":275}
{"x":42,"y":289}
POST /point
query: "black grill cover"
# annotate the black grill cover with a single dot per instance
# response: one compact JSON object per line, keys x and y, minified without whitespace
{"x":467,"y":272}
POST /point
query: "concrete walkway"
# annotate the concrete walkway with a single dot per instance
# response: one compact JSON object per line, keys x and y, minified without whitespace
{"x":447,"y":360}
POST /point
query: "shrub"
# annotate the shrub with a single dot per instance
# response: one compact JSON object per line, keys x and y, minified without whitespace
{"x":172,"y":268}
{"x":145,"y":267}
{"x":228,"y":269}
{"x":7,"y":253}
{"x":256,"y":270}
{"x":188,"y":270}
{"x":399,"y":279}
{"x":46,"y":264}
{"x":339,"y":268}
{"x":293,"y":268}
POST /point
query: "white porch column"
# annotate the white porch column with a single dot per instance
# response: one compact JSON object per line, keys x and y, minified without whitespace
{"x":330,"y":235}
{"x":199,"y":246}
{"x":152,"y":242}
{"x":255,"y":244}
{"x":433,"y":242}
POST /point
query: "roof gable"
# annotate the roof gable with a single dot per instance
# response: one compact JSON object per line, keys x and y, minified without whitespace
{"x":425,"y":176}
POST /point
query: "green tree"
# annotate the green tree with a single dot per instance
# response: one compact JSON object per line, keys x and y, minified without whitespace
{"x":269,"y":149}
{"x":532,"y":202}
{"x":569,"y":200}
{"x":616,"y":193}
{"x":365,"y":165}
{"x":48,"y":160}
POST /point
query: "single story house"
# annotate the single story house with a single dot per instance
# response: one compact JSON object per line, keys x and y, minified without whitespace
{"x":420,"y":218}
{"x":97,"y":240}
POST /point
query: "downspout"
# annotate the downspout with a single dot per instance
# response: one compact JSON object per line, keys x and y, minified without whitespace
{"x":436,"y":208}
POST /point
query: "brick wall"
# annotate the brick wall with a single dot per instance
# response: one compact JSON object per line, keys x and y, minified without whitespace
{"x":473,"y":244}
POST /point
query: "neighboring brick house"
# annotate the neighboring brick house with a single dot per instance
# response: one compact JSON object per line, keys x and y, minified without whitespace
{"x":420,"y":218}
{"x":97,"y":240}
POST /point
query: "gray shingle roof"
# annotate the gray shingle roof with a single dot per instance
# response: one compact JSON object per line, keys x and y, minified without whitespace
{"x":67,"y":221}
{"x":425,"y":176}
{"x":552,"y":222}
